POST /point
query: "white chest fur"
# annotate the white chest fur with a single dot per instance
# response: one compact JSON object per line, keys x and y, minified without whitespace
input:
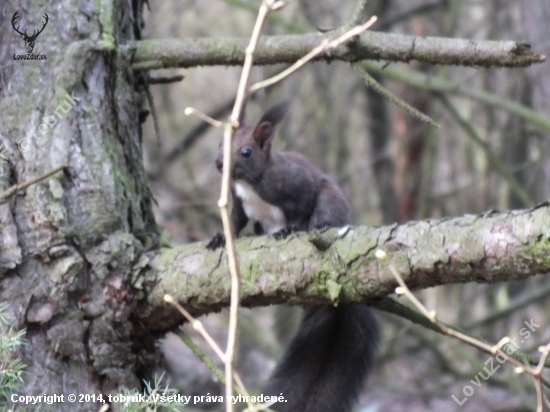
{"x":271,"y":217}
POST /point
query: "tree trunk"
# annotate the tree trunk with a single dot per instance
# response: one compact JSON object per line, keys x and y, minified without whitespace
{"x":67,"y":244}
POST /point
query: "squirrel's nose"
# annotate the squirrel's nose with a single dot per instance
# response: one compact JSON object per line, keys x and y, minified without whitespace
{"x":219,"y":164}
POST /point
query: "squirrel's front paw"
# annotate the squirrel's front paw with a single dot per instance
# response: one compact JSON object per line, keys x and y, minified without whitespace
{"x":218,"y":240}
{"x":281,"y":234}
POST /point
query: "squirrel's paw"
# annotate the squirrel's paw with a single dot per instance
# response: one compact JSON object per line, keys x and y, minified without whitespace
{"x":218,"y":240}
{"x":281,"y":234}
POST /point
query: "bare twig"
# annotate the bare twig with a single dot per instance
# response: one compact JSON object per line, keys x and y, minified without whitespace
{"x":323,"y":46}
{"x":432,"y":315}
{"x":202,"y":356}
{"x":266,"y":7}
{"x":204,"y":117}
{"x":242,"y":93}
{"x":517,"y":303}
{"x":371,"y":81}
{"x":389,"y":305}
{"x":197,"y":325}
{"x":537,"y":374}
{"x":520,"y":367}
{"x":154,"y":114}
{"x":165,"y":80}
{"x":229,"y":129}
{"x":439,"y":84}
{"x":239,"y":387}
{"x":358,"y":13}
{"x":493,"y":158}
{"x":186,"y":142}
{"x":16,"y":188}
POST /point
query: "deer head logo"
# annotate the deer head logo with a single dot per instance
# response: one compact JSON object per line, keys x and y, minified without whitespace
{"x":29,"y":40}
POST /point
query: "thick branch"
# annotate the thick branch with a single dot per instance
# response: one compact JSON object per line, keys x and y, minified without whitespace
{"x":211,"y":51}
{"x":341,"y":267}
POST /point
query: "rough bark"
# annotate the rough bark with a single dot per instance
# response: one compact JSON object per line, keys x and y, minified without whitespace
{"x":338,"y":265}
{"x":67,"y":244}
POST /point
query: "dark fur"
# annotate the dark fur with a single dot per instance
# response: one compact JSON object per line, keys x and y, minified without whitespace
{"x":327,"y":362}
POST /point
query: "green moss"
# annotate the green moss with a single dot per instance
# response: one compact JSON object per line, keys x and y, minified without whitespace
{"x":538,"y":251}
{"x":249,"y":274}
{"x":327,"y":280}
{"x":167,"y":256}
{"x":106,"y":15}
{"x":147,"y":47}
{"x":334,"y":290}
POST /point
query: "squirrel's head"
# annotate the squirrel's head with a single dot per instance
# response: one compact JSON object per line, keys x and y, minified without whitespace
{"x":251,"y":147}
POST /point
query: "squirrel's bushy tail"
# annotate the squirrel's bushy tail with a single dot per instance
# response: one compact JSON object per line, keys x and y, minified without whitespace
{"x":327,"y":362}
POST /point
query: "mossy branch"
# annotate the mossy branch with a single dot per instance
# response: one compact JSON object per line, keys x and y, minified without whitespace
{"x":227,"y":51}
{"x":490,"y":248}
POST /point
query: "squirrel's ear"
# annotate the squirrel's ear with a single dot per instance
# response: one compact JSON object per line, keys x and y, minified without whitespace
{"x":276,"y":113}
{"x":265,"y":129}
{"x":263,"y":134}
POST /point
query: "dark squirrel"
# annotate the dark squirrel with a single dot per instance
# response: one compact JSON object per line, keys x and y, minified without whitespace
{"x":326,"y":364}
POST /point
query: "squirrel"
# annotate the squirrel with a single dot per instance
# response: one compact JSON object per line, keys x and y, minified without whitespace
{"x":326,"y":364}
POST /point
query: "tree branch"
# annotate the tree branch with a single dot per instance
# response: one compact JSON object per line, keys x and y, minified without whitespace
{"x":4,"y":196}
{"x":339,"y":265}
{"x":440,"y":85}
{"x":211,"y":51}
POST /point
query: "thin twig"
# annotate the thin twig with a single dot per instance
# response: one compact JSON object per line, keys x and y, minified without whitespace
{"x":377,"y":87}
{"x":323,"y":46}
{"x":494,"y":160}
{"x":519,"y":302}
{"x":154,"y":114}
{"x":439,"y":84}
{"x":432,"y":315}
{"x":537,"y":372}
{"x":493,"y":350}
{"x":242,"y":93}
{"x":239,"y":387}
{"x":204,"y":117}
{"x":203,"y":357}
{"x":389,"y":305}
{"x":192,"y":136}
{"x":358,"y":13}
{"x":165,"y":80}
{"x":16,"y":188}
{"x":230,"y":128}
{"x":197,"y":325}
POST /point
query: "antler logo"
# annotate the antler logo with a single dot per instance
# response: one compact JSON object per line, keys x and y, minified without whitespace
{"x":29,"y":40}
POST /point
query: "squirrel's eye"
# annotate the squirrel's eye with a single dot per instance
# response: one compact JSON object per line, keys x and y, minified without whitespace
{"x":246,"y":152}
